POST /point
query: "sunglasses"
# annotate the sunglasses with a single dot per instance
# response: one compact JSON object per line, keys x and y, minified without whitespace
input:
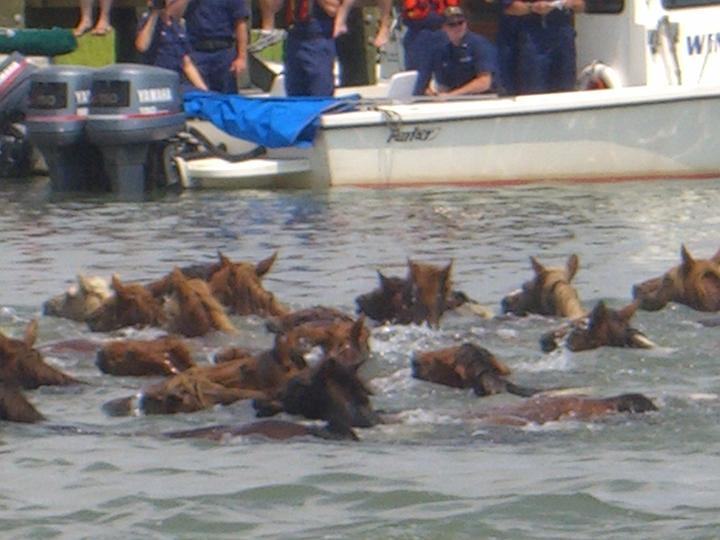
{"x":455,"y":24}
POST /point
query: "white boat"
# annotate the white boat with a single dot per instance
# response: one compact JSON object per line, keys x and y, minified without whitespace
{"x":658,"y":119}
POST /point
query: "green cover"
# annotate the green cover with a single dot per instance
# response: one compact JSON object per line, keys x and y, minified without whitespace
{"x":37,"y":41}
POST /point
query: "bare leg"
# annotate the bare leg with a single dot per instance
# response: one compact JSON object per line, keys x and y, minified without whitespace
{"x":383,"y":33}
{"x":86,"y":18}
{"x":102,"y":26}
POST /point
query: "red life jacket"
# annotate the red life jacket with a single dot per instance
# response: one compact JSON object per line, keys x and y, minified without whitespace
{"x":297,"y":11}
{"x":416,"y":10}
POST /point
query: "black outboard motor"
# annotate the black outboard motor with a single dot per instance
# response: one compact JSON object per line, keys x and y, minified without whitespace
{"x":57,"y":112}
{"x":134,"y":110}
{"x":15,"y":151}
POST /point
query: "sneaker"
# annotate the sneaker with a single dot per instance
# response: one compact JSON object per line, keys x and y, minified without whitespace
{"x":266,"y":39}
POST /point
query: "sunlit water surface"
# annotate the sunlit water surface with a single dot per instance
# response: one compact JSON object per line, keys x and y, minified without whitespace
{"x":435,"y":474}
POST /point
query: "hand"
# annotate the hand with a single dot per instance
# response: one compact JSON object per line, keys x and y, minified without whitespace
{"x":238,"y":65}
{"x":541,"y":7}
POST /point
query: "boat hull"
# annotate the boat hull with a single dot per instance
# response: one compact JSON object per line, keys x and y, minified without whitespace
{"x":604,"y":135}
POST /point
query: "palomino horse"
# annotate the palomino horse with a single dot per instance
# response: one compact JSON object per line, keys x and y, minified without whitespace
{"x":133,"y":357}
{"x":604,"y":327}
{"x":80,"y":300}
{"x":542,"y":408}
{"x":550,"y":292}
{"x":466,"y":366}
{"x":22,"y":365}
{"x":694,"y":283}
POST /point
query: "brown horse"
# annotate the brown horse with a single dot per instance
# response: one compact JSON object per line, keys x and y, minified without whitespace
{"x":541,"y":409}
{"x":162,"y":356}
{"x":423,"y":296}
{"x":14,"y":406}
{"x":23,"y":365}
{"x":238,"y":285}
{"x":694,"y":283}
{"x":604,"y":327}
{"x":550,"y":292}
{"x":131,"y":305}
{"x":80,"y":300}
{"x":466,"y":366}
{"x":192,"y":310}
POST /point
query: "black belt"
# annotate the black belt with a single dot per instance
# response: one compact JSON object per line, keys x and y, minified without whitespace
{"x":212,"y":45}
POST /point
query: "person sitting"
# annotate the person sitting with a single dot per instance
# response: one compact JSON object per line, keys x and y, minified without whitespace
{"x":466,"y":62}
{"x":163,"y":42}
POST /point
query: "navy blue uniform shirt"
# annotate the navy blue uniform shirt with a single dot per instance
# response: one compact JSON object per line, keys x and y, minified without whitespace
{"x":214,"y":19}
{"x":168,"y":47}
{"x":455,"y":66}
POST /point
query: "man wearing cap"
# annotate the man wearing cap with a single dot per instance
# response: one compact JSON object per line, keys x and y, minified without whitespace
{"x":466,"y":62}
{"x":423,"y":20}
{"x":218,"y":34}
{"x":544,"y":40}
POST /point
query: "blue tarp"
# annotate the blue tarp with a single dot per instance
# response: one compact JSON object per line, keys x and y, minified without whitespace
{"x":273,"y":122}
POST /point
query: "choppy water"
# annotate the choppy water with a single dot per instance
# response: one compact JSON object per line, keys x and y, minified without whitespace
{"x":436,"y":474}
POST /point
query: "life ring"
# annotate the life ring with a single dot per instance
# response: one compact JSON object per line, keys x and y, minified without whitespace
{"x":598,"y":76}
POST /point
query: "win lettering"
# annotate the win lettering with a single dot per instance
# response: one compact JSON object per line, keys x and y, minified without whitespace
{"x":703,"y":44}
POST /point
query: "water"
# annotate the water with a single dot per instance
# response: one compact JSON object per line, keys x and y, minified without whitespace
{"x":437,"y":474}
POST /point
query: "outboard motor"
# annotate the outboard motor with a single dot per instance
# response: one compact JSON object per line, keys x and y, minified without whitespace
{"x":15,"y":150}
{"x":57,"y":112}
{"x":134,"y":110}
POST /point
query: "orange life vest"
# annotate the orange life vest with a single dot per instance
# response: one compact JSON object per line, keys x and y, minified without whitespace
{"x":416,"y":10}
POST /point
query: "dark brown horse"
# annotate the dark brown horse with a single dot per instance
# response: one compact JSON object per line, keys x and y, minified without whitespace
{"x":131,"y":357}
{"x":694,"y":283}
{"x":466,"y":366}
{"x":550,"y":292}
{"x":280,"y":430}
{"x":604,"y":327}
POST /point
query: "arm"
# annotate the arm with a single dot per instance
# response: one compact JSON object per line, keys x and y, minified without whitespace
{"x":519,"y":8}
{"x":383,"y":33}
{"x":144,"y":37}
{"x":176,"y":8}
{"x":192,"y":73}
{"x":481,"y":83}
{"x":340,"y":26}
{"x":241,"y":38}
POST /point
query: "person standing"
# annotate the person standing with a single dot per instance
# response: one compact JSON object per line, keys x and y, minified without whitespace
{"x":218,"y":32}
{"x":544,"y":38}
{"x":85,"y":25}
{"x":466,"y":63}
{"x":162,"y":41}
{"x":310,"y":48}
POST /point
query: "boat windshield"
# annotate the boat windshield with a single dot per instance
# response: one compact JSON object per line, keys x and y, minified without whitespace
{"x":676,"y":4}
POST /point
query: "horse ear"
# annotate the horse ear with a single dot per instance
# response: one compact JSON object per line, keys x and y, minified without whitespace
{"x":447,"y":271}
{"x":31,"y":331}
{"x":716,"y":258}
{"x":599,"y":314}
{"x":687,"y":259}
{"x":357,"y":329}
{"x":263,"y":267}
{"x":116,"y":283}
{"x":382,"y":279}
{"x":628,"y":311}
{"x":536,"y":266}
{"x":572,"y":265}
{"x":224,"y":261}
